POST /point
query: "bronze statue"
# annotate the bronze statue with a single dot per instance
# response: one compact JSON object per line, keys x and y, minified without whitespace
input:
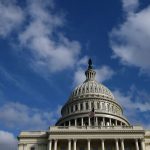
{"x":90,"y":64}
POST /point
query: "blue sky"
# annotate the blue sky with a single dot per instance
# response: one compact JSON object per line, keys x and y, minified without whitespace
{"x":44,"y":48}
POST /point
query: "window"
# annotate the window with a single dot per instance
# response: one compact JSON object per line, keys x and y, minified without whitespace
{"x":92,"y":105}
{"x":103,"y":106}
{"x":81,"y":106}
{"x":87,"y":106}
{"x":32,"y":148}
{"x":98,"y":105}
{"x":72,"y":108}
{"x":68,"y":110}
{"x":76,"y":107}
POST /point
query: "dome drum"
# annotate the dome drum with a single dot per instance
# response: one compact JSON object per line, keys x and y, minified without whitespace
{"x":99,"y":105}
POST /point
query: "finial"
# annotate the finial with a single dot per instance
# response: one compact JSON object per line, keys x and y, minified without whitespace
{"x":90,"y":73}
{"x":90,"y":64}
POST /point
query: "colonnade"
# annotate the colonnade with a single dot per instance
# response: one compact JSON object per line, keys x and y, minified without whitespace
{"x":100,"y":106}
{"x":121,"y":147}
{"x":102,"y":121}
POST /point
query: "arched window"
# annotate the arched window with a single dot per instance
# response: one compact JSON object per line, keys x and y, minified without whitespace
{"x":98,"y":105}
{"x":92,"y":104}
{"x":87,"y":106}
{"x":76,"y":107}
{"x":81,"y":106}
{"x":72,"y":108}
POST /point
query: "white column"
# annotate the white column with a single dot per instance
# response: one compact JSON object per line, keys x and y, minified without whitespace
{"x":69,"y":144}
{"x":19,"y":147}
{"x":50,"y":145}
{"x":110,"y":122}
{"x":69,"y":123}
{"x":103,"y":144}
{"x":73,"y":107}
{"x":116,"y":122}
{"x":117,"y":146}
{"x":103,"y":121}
{"x":55,"y":144}
{"x":136,"y":144}
{"x":81,"y":121}
{"x":122,"y":144}
{"x":89,"y":144}
{"x":79,"y":107}
{"x":84,"y":107}
{"x":142,"y":144}
{"x":74,"y":144}
{"x":89,"y":121}
{"x":75,"y":121}
{"x":96,"y":121}
{"x":90,"y":105}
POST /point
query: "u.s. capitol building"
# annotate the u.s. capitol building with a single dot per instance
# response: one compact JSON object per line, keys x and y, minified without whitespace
{"x":91,"y":120}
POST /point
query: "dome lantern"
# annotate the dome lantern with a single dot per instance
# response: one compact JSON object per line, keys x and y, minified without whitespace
{"x":90,"y":73}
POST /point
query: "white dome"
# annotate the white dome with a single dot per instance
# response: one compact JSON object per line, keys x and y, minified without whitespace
{"x":88,"y":96}
{"x":92,"y":87}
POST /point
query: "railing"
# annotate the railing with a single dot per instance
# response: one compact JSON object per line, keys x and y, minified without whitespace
{"x":97,"y":127}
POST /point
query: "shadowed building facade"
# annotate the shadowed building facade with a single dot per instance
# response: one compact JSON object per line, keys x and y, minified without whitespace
{"x":91,"y":119}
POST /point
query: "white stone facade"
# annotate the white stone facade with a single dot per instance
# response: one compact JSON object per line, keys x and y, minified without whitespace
{"x":108,"y":129}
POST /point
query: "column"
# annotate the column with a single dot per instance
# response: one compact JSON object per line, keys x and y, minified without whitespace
{"x":103,"y":121}
{"x":122,"y":144}
{"x":116,"y":122}
{"x":69,"y":144}
{"x":103,"y":145}
{"x":96,"y":121}
{"x":74,"y":144}
{"x":84,"y":107}
{"x":55,"y":144}
{"x":89,"y":121}
{"x":136,"y":144}
{"x":19,"y":146}
{"x":110,"y":122}
{"x":73,"y":108}
{"x":81,"y":121}
{"x":89,"y":144}
{"x":143,"y":144}
{"x":117,"y":146}
{"x":50,"y":145}
{"x":90,"y":105}
{"x":69,"y":123}
{"x":75,"y":122}
{"x":79,"y":107}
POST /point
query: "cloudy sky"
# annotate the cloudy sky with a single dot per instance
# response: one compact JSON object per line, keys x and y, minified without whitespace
{"x":44,"y":48}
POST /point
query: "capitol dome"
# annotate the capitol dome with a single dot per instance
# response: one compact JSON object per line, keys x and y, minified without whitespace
{"x":91,"y":87}
{"x":88,"y":96}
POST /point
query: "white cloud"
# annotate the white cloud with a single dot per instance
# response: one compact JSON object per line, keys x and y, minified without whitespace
{"x":11,"y":16}
{"x":25,"y":117}
{"x":102,"y":74}
{"x":7,"y":141}
{"x":79,"y":76}
{"x":130,"y":40}
{"x":136,"y":105}
{"x":40,"y":32}
{"x":130,"y":5}
{"x":51,"y":50}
